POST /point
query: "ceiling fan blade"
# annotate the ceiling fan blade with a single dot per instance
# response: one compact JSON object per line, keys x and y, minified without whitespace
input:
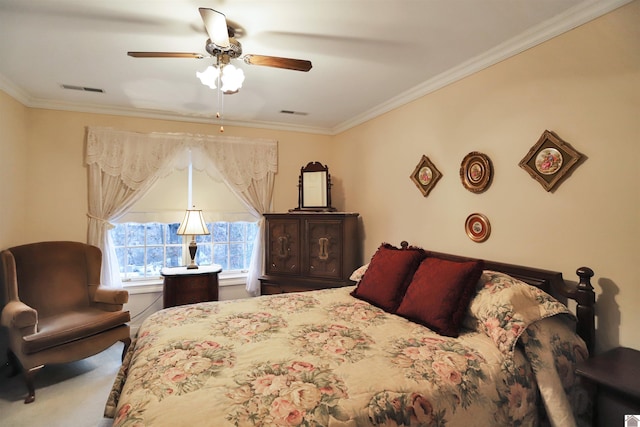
{"x":216,"y":25}
{"x":165,"y":55}
{"x":277,"y":62}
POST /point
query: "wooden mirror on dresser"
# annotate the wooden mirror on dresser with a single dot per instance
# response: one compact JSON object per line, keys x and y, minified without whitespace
{"x":314,"y":188}
{"x":312,"y":246}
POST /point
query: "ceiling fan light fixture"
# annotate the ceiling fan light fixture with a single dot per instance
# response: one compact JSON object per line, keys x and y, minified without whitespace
{"x":223,"y":46}
{"x":232,"y":78}
{"x":209,"y":76}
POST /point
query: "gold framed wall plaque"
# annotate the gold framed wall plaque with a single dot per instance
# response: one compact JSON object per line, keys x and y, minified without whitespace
{"x":476,"y":172}
{"x":425,"y":175}
{"x":477,"y":227}
{"x":550,"y":160}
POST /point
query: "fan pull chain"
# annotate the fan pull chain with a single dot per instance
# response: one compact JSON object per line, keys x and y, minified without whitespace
{"x":222,"y":109}
{"x":219,"y":115}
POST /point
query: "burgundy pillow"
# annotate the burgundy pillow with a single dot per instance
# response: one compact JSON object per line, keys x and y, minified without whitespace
{"x":388,"y":275}
{"x":439,"y":294}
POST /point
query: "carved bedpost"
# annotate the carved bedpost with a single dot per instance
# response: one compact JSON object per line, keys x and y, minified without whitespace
{"x":585,"y":310}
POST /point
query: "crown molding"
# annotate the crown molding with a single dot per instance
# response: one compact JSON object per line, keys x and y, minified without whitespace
{"x":554,"y":27}
{"x":13,"y":91}
{"x":178,"y":117}
{"x":21,"y":96}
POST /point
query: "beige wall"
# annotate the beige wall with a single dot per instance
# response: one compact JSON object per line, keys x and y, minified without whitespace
{"x":13,"y":170}
{"x":13,"y":181}
{"x":584,"y":85}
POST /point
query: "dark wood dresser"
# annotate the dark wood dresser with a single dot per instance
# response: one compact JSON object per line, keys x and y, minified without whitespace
{"x":309,"y":250}
{"x":615,"y":375}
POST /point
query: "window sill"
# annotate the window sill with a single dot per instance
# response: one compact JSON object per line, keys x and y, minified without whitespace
{"x":155,"y":285}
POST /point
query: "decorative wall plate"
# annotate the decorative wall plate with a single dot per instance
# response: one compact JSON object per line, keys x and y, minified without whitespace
{"x":476,"y":172}
{"x":550,"y":160}
{"x":425,"y":175}
{"x":477,"y":227}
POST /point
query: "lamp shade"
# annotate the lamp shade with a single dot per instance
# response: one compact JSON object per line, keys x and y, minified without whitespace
{"x":193,"y":224}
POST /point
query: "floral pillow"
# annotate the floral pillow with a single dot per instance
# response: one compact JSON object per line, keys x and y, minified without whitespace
{"x":504,"y":307}
{"x":357,"y":275}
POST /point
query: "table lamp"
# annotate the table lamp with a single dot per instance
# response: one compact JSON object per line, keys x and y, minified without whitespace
{"x":193,"y":224}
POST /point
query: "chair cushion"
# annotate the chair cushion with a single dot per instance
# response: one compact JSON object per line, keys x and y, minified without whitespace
{"x":72,"y":326}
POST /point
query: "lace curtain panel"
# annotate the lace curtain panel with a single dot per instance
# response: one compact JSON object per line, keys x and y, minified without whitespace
{"x":124,"y":165}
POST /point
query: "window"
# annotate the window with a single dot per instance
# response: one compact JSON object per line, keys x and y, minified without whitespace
{"x":143,"y":249}
{"x":145,"y":237}
{"x":230,"y":244}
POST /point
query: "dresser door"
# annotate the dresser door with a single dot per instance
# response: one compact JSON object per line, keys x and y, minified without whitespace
{"x":324,"y":248}
{"x":283,"y":246}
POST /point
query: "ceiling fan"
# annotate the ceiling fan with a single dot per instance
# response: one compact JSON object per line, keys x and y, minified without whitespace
{"x":223,"y":46}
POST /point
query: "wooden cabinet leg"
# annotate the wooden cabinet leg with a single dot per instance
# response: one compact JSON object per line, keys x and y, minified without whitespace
{"x":28,"y":376}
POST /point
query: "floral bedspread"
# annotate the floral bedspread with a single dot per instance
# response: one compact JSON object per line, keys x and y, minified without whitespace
{"x":327,"y":359}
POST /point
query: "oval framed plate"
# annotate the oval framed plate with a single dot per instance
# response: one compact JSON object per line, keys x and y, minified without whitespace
{"x":476,"y":172}
{"x":477,"y":227}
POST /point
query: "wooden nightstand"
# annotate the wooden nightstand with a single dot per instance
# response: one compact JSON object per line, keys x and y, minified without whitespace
{"x":188,"y":286}
{"x":616,"y":378}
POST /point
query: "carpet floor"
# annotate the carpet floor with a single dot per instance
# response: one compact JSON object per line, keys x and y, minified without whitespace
{"x":71,"y":394}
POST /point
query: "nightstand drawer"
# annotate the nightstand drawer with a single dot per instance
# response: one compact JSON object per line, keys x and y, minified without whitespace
{"x":189,"y":286}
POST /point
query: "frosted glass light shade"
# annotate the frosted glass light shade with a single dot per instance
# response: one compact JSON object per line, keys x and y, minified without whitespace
{"x":209,"y":76}
{"x":232,"y":77}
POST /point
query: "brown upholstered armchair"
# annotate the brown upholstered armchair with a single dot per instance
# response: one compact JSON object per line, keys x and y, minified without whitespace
{"x":56,"y":311}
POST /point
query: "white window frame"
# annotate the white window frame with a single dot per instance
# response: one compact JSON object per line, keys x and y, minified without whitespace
{"x":227,"y":277}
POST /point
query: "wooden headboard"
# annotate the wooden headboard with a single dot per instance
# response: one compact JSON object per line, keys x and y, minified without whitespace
{"x":553,"y":283}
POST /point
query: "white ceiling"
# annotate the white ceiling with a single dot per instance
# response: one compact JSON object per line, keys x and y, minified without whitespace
{"x":369,"y":56}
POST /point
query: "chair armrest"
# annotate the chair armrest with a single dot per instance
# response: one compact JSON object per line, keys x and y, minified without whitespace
{"x":111,"y":296}
{"x":18,"y":315}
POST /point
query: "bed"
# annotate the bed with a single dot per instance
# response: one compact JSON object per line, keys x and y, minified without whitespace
{"x":381,"y":352}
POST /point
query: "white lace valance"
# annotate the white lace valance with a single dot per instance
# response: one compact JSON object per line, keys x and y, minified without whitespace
{"x":134,"y":157}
